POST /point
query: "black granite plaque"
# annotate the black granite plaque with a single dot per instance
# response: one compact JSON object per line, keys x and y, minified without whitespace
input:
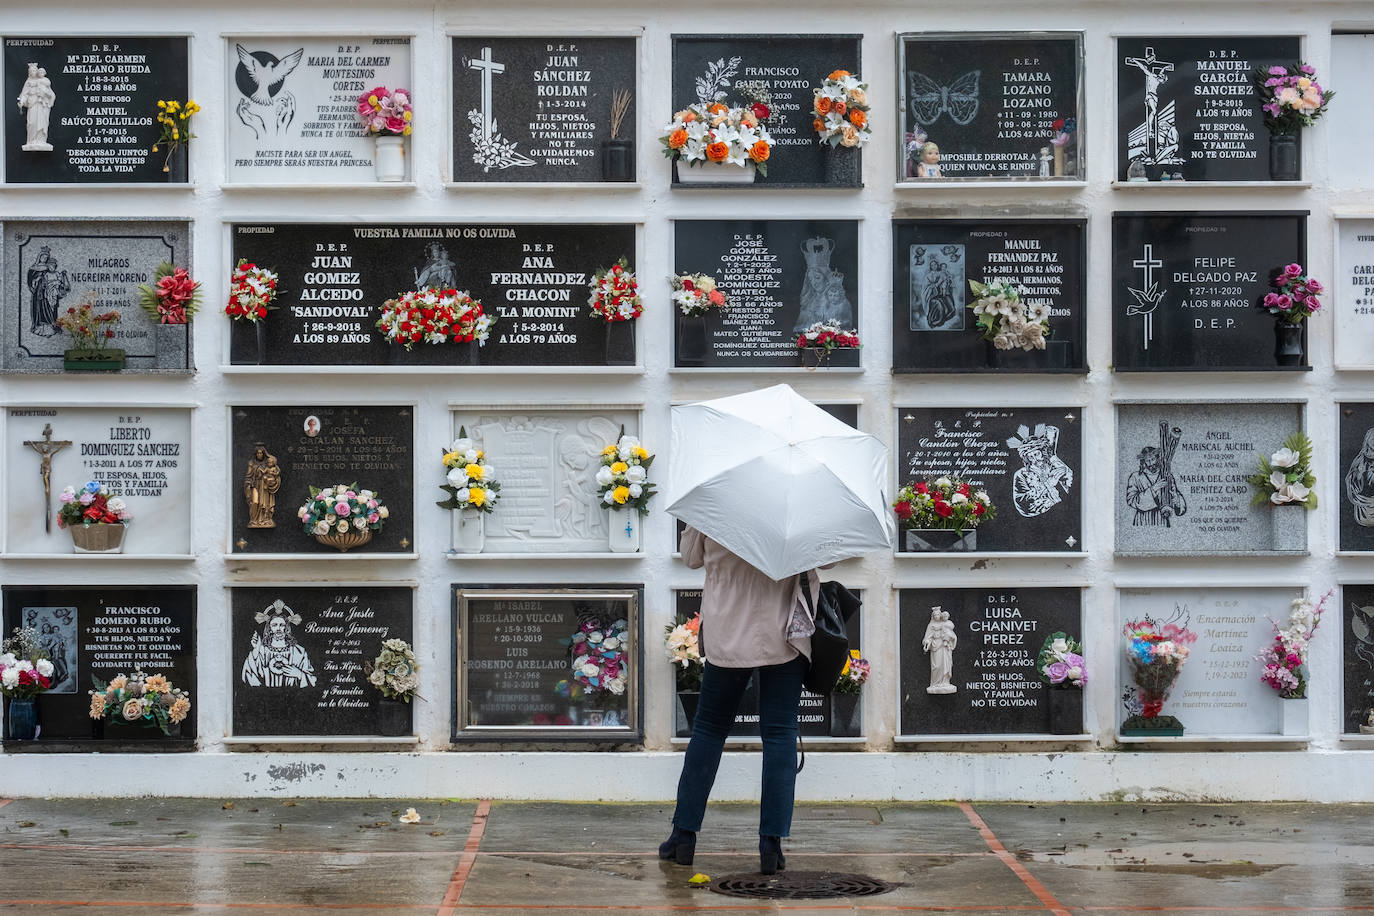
{"x":1187,"y":286}
{"x":1357,"y":652}
{"x":1356,"y":468}
{"x":334,"y":278}
{"x":102,"y":124}
{"x":299,"y":652}
{"x":100,"y":631}
{"x":933,"y":328}
{"x":719,"y":68}
{"x":779,"y":277}
{"x":515,"y":679}
{"x":1027,"y":459}
{"x":319,"y":446}
{"x":997,"y":635}
{"x":990,"y":102}
{"x":1187,"y":107}
{"x":539,"y":108}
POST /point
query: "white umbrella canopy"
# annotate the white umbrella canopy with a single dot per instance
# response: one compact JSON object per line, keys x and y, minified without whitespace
{"x":776,"y":480}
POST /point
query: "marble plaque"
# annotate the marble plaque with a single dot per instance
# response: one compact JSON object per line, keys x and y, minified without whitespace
{"x":1180,"y":479}
{"x":99,"y":631}
{"x":546,"y":460}
{"x":292,"y":106}
{"x":143,"y":454}
{"x":969,"y":668}
{"x":51,"y":266}
{"x":1349,"y":159}
{"x":1357,"y":654}
{"x":299,"y":654}
{"x":1219,"y":691}
{"x":1353,"y":294}
{"x":279,"y":453}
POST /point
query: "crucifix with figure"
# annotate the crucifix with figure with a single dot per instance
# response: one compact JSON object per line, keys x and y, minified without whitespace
{"x":47,"y":447}
{"x":1156,"y":72}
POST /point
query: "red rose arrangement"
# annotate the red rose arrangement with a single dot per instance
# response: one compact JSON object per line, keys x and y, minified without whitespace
{"x":946,"y":502}
{"x":434,"y":316}
{"x":173,"y":298}
{"x":615,"y":293}
{"x":251,"y":291}
{"x":828,"y":335}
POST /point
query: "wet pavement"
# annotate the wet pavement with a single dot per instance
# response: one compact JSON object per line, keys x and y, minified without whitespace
{"x":318,"y":856}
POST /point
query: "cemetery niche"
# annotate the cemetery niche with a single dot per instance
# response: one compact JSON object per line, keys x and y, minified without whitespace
{"x":88,"y":108}
{"x":1027,"y":460}
{"x":537,"y":664}
{"x":103,"y":631}
{"x":1187,"y":108}
{"x":1356,"y":485}
{"x":544,"y":108}
{"x":934,"y":328}
{"x":1181,"y":480}
{"x":968,"y":658}
{"x":289,"y":460}
{"x":292,"y":105}
{"x":301,"y":654}
{"x":531,"y":281}
{"x":142,"y":455}
{"x":1353,"y":294}
{"x":1187,"y":288}
{"x":53,"y":266}
{"x":780,"y":72}
{"x":779,"y":278}
{"x":990,"y":106}
{"x":1357,"y":654}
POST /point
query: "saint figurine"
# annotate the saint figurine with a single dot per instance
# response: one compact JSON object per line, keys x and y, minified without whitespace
{"x":37,"y":98}
{"x":260,"y":485}
{"x":939,"y":641}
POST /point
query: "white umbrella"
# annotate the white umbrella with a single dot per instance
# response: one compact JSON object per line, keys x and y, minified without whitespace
{"x":778,"y":481}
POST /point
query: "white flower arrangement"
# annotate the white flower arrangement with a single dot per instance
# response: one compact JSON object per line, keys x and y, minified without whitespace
{"x":1007,"y":321}
{"x":471,"y":481}
{"x":623,"y":478}
{"x":717,"y":133}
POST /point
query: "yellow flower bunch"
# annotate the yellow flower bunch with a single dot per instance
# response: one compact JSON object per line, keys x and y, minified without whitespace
{"x":173,"y":126}
{"x":470,"y":482}
{"x":623,"y":478}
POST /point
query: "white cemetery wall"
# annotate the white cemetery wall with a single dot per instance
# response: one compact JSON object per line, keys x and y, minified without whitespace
{"x":1337,"y":177}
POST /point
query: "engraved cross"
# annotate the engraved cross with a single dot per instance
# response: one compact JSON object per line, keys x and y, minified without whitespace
{"x":487,"y":67}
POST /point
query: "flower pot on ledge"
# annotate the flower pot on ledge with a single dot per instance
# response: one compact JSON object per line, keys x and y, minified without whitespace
{"x":393,"y":718}
{"x":1155,"y":727}
{"x":1065,"y":709}
{"x":846,"y":715}
{"x":97,"y":538}
{"x":940,"y":540}
{"x":714,"y":173}
{"x":346,"y":540}
{"x":92,"y":360}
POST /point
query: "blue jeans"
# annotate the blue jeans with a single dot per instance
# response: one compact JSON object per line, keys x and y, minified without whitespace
{"x":721,"y":690}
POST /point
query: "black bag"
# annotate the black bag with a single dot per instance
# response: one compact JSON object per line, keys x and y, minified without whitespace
{"x":830,"y":642}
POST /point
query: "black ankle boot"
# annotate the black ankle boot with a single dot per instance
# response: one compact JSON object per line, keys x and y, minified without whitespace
{"x":681,"y":846}
{"x":771,"y":859}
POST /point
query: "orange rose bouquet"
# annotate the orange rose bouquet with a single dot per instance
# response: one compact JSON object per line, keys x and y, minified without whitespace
{"x":717,"y":133}
{"x":840,"y":110}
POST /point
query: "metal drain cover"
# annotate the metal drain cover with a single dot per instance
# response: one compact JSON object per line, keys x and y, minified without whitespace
{"x":801,"y":885}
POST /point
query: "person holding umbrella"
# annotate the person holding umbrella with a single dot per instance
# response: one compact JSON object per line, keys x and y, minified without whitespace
{"x":770,"y":486}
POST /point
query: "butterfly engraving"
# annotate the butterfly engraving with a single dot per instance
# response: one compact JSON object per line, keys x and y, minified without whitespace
{"x":929,"y":99}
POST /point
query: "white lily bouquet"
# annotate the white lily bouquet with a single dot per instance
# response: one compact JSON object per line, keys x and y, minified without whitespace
{"x":1006,"y":320}
{"x":1285,"y":477}
{"x":623,"y":478}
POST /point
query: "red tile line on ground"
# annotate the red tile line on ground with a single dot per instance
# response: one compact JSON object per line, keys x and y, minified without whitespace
{"x":460,"y":874}
{"x":1039,"y":890}
{"x":5,"y":801}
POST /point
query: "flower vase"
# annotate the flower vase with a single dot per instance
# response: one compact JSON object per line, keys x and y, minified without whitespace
{"x":1283,"y":157}
{"x":98,"y":729}
{"x":178,"y":164}
{"x":1288,"y":344}
{"x":618,"y":160}
{"x":813,"y":358}
{"x":941,"y":540}
{"x":344,"y":541}
{"x":469,"y":531}
{"x":715,"y":173}
{"x":686,"y":712}
{"x":393,"y":718}
{"x":620,"y":343}
{"x":993,"y":357}
{"x":626,"y":530}
{"x":172,"y":343}
{"x":691,"y":340}
{"x":1293,"y":717}
{"x":1289,"y":526}
{"x":842,"y":166}
{"x":98,"y":538}
{"x":1065,"y":708}
{"x":390,"y":159}
{"x":846,"y":715}
{"x":101,"y":360}
{"x":21,"y":721}
{"x":260,"y":330}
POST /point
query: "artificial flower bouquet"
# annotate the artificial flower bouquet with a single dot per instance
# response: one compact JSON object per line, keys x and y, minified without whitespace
{"x":251,"y":291}
{"x":615,"y":293}
{"x":1295,"y":295}
{"x":1006,"y":321}
{"x":697,"y":294}
{"x":434,"y":316}
{"x":946,"y":502}
{"x":149,"y":700}
{"x":600,"y":657}
{"x":682,"y":641}
{"x":173,"y":127}
{"x":1285,"y":478}
{"x":623,"y":478}
{"x":173,"y":298}
{"x":93,"y":504}
{"x":717,"y":133}
{"x":1291,"y":97}
{"x":840,"y":110}
{"x":88,"y":329}
{"x":25,"y":669}
{"x":1156,"y":653}
{"x":340,"y":509}
{"x":386,"y":111}
{"x":854,"y":674}
{"x":1285,"y":661}
{"x":1060,"y":663}
{"x":394,"y":671}
{"x":471,"y":481}
{"x":828,"y":335}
